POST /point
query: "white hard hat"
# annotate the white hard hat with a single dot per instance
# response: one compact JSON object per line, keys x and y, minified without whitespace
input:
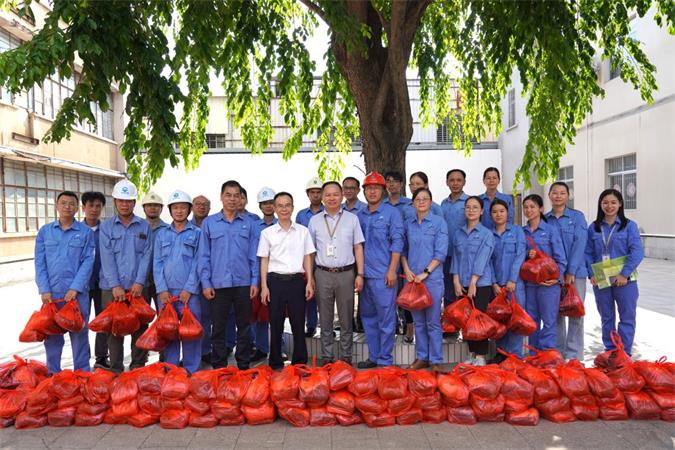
{"x":265,"y":195}
{"x":314,"y":183}
{"x":179,"y":196}
{"x":124,"y":190}
{"x":152,"y":198}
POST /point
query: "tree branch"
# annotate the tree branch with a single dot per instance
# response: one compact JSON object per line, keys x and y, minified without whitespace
{"x":316,"y":9}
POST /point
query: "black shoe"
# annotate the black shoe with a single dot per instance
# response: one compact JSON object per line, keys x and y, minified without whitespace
{"x":228,"y":352}
{"x":258,"y":355}
{"x":102,"y":363}
{"x":408,"y":339}
{"x":206,"y":358}
{"x":284,"y":356}
{"x":311,"y":331}
{"x":367,"y":364}
{"x":452,"y":338}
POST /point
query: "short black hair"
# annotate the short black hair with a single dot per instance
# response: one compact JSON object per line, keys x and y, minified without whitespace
{"x":243,"y":191}
{"x":282,"y":194}
{"x":334,"y":183}
{"x":476,"y":198}
{"x":455,"y":170}
{"x":492,"y":169}
{"x":230,"y":183}
{"x":422,"y":176}
{"x":358,"y":183}
{"x":559,"y":183}
{"x":499,"y":202}
{"x":92,"y":196}
{"x":68,"y":194}
{"x":417,"y":192}
{"x":395,"y":175}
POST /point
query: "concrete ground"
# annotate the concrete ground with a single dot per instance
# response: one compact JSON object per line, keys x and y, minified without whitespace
{"x":654,"y":338}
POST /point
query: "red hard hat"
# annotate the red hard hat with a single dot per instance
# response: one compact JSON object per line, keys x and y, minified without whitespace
{"x":374,"y":178}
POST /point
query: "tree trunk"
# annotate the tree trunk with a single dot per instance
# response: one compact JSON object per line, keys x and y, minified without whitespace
{"x":378,"y":81}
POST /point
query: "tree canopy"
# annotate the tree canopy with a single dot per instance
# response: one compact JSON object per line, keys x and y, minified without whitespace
{"x":163,"y":53}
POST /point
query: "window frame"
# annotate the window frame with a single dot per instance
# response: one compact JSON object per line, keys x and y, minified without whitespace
{"x":630,"y":203}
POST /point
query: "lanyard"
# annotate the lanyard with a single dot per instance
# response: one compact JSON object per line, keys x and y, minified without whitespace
{"x":609,"y":237}
{"x":331,"y":233}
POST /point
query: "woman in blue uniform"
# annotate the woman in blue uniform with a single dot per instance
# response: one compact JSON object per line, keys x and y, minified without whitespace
{"x":542,"y":301}
{"x":175,"y":272}
{"x":611,"y":236}
{"x":508,"y":256}
{"x":426,"y":246}
{"x":471,"y":269}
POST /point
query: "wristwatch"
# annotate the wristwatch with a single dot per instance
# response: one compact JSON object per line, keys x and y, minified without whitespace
{"x":360,"y":275}
{"x":427,"y":271}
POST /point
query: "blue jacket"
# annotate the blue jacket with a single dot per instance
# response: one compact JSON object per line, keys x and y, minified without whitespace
{"x":486,"y":219}
{"x":63,"y":259}
{"x":175,"y":259}
{"x":425,"y":241}
{"x":472,"y":251}
{"x":400,"y":206}
{"x":409,"y":211}
{"x":508,"y":255}
{"x":125,"y":252}
{"x":622,"y":243}
{"x":93,"y":281}
{"x":303,"y":216}
{"x":227,"y":252}
{"x":547,"y":239}
{"x":358,"y":206}
{"x":574,"y":233}
{"x":453,"y":213}
{"x":383,"y":231}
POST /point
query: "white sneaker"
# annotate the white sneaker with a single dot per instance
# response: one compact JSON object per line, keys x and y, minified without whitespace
{"x":470,"y":360}
{"x":479,"y":361}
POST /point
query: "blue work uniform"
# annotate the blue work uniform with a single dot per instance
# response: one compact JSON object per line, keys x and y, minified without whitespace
{"x":125,"y":253}
{"x":175,"y":270}
{"x":260,"y":330}
{"x":93,"y":281}
{"x":486,"y":219}
{"x":453,"y":213}
{"x":64,"y":260}
{"x":621,"y":242}
{"x":574,"y":233}
{"x":409,"y":211}
{"x":543,"y":302}
{"x":507,"y":257}
{"x":302,"y":217}
{"x":427,"y":240}
{"x":472,"y":250}
{"x":383,"y":233}
{"x":358,"y":206}
{"x":400,"y":205}
{"x":152,"y":292}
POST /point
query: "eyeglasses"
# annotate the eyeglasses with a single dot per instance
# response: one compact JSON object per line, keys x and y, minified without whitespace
{"x":472,"y":208}
{"x":284,"y":206}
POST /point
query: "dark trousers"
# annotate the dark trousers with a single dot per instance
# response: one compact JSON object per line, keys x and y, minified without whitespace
{"x":287,"y":291}
{"x":484,"y":296}
{"x":116,"y":344}
{"x":101,"y":341}
{"x":226,"y":298}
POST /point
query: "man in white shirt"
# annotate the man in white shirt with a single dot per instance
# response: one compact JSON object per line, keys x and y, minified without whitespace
{"x":285,"y":251}
{"x":338,"y":239}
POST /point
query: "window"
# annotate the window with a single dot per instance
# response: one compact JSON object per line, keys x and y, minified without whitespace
{"x":622,"y":176}
{"x":614,"y":69}
{"x":566,"y":175}
{"x":512,"y":107}
{"x":442,"y":135}
{"x":215,"y":140}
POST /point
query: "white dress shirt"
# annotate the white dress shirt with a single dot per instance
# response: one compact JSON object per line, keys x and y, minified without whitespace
{"x":286,"y":250}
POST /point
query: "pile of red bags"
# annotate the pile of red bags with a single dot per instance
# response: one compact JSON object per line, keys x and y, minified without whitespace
{"x":18,"y":379}
{"x":124,"y":317}
{"x":50,"y":320}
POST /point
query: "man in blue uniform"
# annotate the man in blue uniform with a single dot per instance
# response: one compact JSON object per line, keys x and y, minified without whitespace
{"x":350,"y":189}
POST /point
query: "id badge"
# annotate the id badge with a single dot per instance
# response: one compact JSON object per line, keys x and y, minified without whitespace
{"x":330,"y":250}
{"x":605,"y":257}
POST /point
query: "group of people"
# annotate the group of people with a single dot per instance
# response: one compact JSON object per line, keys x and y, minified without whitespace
{"x":225,"y":265}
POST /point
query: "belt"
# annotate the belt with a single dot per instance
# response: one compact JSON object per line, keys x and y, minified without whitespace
{"x":336,"y":269}
{"x":286,"y":276}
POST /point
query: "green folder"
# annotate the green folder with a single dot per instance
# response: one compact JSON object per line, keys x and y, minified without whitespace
{"x":605,"y":272}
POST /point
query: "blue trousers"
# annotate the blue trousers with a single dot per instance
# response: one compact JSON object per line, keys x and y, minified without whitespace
{"x":311,"y":313}
{"x":261,"y":336}
{"x":192,"y":350}
{"x":448,"y":285}
{"x":428,"y":334}
{"x":511,"y":342}
{"x":79,"y":342}
{"x":624,"y":299}
{"x":205,"y":308}
{"x":378,"y":315}
{"x":571,"y":329}
{"x":542,"y":304}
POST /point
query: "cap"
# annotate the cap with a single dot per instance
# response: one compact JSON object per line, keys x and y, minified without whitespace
{"x":125,"y":190}
{"x":179,"y":196}
{"x":374,"y":178}
{"x":266,"y":194}
{"x":314,"y":183}
{"x":153,"y":198}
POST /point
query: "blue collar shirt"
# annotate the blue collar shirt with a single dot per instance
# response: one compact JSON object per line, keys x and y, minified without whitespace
{"x":472,"y":253}
{"x":400,"y":206}
{"x":383,"y":233}
{"x":125,"y":252}
{"x":409,"y":211}
{"x":227,"y":252}
{"x":175,"y":259}
{"x":64,"y":259}
{"x":573,"y":230}
{"x":508,"y":255}
{"x":93,"y":281}
{"x":547,"y":239}
{"x":486,"y":219}
{"x":425,"y":241}
{"x":453,"y":213}
{"x":625,"y":242}
{"x":358,"y":206}
{"x":304,"y":215}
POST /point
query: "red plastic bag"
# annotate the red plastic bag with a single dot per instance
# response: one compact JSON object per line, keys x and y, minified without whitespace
{"x":72,"y":401}
{"x":585,"y":408}
{"x":370,"y":404}
{"x":150,"y":404}
{"x":393,"y":383}
{"x":512,"y":362}
{"x":615,"y":358}
{"x":458,"y":312}
{"x":140,"y":307}
{"x":124,"y":388}
{"x":432,"y":401}
{"x":320,"y":417}
{"x":487,"y":409}
{"x":399,"y":406}
{"x":340,"y":375}
{"x":110,"y":418}
{"x":480,"y":381}
{"x":189,"y":329}
{"x":150,"y":378}
{"x":284,"y":385}
{"x":45,"y":322}
{"x":203,"y":384}
{"x":520,"y":323}
{"x":176,"y":385}
{"x":434,"y":415}
{"x":614,"y":411}
{"x":12,"y":402}
{"x":124,"y":321}
{"x":298,"y":417}
{"x":65,"y":384}
{"x":545,"y":388}
{"x":544,"y":359}
{"x":599,"y":383}
{"x":167,"y":322}
{"x":125,"y":409}
{"x":519,"y":393}
{"x":500,"y":331}
{"x":379,"y":420}
{"x":260,"y":312}
{"x":30,"y":333}
{"x":69,"y":317}
{"x":41,"y":398}
{"x":92,"y":408}
{"x":142,"y":419}
{"x":314,"y":385}
{"x":527,"y":417}
{"x":96,"y":389}
{"x":62,"y":417}
{"x":102,"y":323}
{"x":410,"y":417}
{"x":540,"y":268}
{"x":258,"y":391}
{"x":235,"y":421}
{"x":571,"y":379}
{"x":500,"y":308}
{"x":642,"y":406}
{"x":225,"y":410}
{"x":365,"y":382}
{"x":25,"y":421}
{"x":207,"y":420}
{"x":452,"y":388}
{"x":421,"y":382}
{"x":235,"y":387}
{"x":571,"y":304}
{"x":89,"y":420}
{"x":461,"y":415}
{"x":626,"y":378}
{"x":479,"y":326}
{"x":347,"y":421}
{"x":447,"y":326}
{"x":414,"y":297}
{"x":664,"y":400}
{"x":555,"y":405}
{"x":259,"y":415}
{"x":174,"y":419}
{"x":656,"y":375}
{"x":341,"y":402}
{"x":151,"y":341}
